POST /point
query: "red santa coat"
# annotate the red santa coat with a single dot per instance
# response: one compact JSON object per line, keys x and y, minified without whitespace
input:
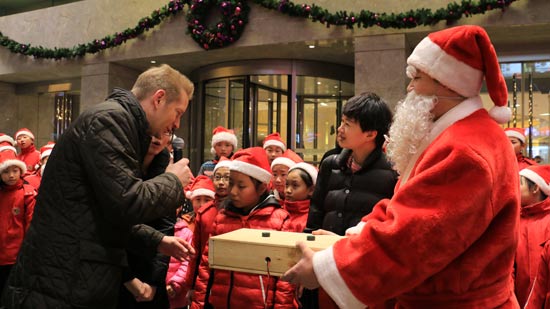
{"x":16,"y":209}
{"x":534,"y":230}
{"x":31,"y":157}
{"x":298,"y":211}
{"x":447,"y":238}
{"x":539,"y":296}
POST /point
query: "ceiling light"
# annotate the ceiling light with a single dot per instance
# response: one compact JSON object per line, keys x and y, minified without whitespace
{"x":153,"y":61}
{"x":311,"y":46}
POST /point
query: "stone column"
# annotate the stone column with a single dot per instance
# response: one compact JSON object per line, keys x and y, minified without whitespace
{"x":380,"y":63}
{"x":8,"y":106}
{"x":98,"y":80}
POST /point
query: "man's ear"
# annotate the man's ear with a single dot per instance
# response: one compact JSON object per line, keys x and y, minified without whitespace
{"x":158,"y":96}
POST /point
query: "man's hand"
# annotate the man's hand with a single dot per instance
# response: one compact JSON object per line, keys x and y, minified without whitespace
{"x":147,"y":293}
{"x":181,"y":170}
{"x":176,"y":247}
{"x":302,"y":273}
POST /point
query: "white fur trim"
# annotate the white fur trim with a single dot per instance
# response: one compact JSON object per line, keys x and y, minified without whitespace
{"x":4,"y":165}
{"x":329,"y":278}
{"x":251,"y":170}
{"x":7,"y":138}
{"x":4,"y":148}
{"x":45,"y":153}
{"x":458,"y":76}
{"x":537,"y":179}
{"x":272,"y":142}
{"x":224,"y":163}
{"x":501,"y":114}
{"x":282,"y":161}
{"x":356,"y":229}
{"x":201,"y":192}
{"x":25,"y":132}
{"x":511,"y":133}
{"x":306,"y":167}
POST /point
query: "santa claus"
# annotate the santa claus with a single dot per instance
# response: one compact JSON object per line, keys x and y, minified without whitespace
{"x":448,"y":236}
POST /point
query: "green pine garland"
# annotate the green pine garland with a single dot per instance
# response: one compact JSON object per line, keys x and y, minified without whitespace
{"x":235,"y":17}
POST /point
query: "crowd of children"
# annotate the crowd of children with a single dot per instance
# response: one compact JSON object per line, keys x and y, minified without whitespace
{"x":267,"y":187}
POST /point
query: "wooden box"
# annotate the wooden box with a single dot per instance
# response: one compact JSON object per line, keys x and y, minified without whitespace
{"x":246,"y":250}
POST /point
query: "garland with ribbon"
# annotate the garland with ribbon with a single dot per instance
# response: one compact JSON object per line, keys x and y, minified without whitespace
{"x":234,"y":17}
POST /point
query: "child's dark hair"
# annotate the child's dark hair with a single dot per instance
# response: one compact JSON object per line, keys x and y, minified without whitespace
{"x":531,"y":185}
{"x":372,"y":113}
{"x":305,"y":176}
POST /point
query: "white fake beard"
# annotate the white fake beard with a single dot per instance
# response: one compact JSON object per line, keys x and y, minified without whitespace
{"x":411,"y":125}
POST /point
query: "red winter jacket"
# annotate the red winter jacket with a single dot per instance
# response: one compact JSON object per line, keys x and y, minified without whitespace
{"x":539,"y":296}
{"x":16,"y":209}
{"x":231,"y":289}
{"x":204,"y":224}
{"x":298,"y":211}
{"x":534,"y":229}
{"x":31,"y":157}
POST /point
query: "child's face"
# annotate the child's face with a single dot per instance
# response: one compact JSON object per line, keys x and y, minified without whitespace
{"x":200,"y":200}
{"x":273,"y":152}
{"x":296,"y":188}
{"x":223,"y":149}
{"x":221,"y":181}
{"x":158,"y":144}
{"x":516,"y":144}
{"x":24,"y":141}
{"x":280,"y":173}
{"x":243,"y":191}
{"x":11,"y":175}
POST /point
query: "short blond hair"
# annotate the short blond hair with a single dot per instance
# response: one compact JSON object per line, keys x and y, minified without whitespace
{"x":162,"y":77}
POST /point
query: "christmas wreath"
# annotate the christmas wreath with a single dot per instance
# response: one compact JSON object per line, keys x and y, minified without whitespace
{"x":234,"y":16}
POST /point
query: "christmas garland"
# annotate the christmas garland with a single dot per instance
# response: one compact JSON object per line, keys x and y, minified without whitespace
{"x":235,"y":17}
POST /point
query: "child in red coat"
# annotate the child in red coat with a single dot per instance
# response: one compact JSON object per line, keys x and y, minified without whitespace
{"x":204,"y":221}
{"x":200,"y":193}
{"x":300,"y":184}
{"x":250,"y":206}
{"x":17,"y":201}
{"x":28,"y":154}
{"x":533,"y":227}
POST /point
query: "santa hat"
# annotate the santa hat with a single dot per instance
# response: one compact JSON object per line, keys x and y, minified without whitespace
{"x":46,"y":150}
{"x":459,"y":58}
{"x":516,"y":132}
{"x":252,"y":162}
{"x":540,"y":175}
{"x":274,"y":139}
{"x":24,"y":131}
{"x":6,"y":140}
{"x":8,"y":158}
{"x":308,"y":168}
{"x":289,"y":159}
{"x":221,"y":134}
{"x":222,"y":162}
{"x":201,"y":186}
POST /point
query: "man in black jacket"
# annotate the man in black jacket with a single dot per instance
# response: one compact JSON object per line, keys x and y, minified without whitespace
{"x":94,"y":192}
